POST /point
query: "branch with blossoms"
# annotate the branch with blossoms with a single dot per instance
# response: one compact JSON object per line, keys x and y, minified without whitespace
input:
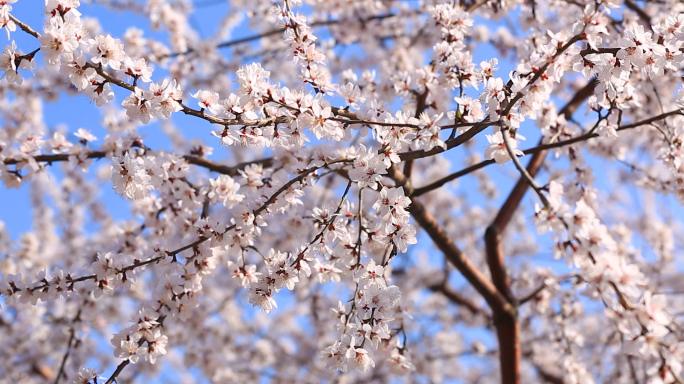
{"x":204,"y":237}
{"x":109,"y":274}
{"x":66,"y":284}
{"x":508,"y":330}
{"x":70,"y":343}
{"x":164,"y":99}
{"x":279,"y":31}
{"x":540,"y":149}
{"x":195,"y":160}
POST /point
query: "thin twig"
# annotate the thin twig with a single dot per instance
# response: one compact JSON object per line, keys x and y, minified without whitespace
{"x":543,"y":286}
{"x":72,"y":336}
{"x":117,"y":372}
{"x":195,"y":160}
{"x":458,"y":299}
{"x":24,"y":27}
{"x":523,"y":172}
{"x":248,"y":39}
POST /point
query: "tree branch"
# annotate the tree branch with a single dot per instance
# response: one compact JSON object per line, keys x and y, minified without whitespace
{"x":524,"y":174}
{"x":437,"y":184}
{"x":117,"y":372}
{"x":547,"y":376}
{"x":507,"y":326}
{"x":457,"y":299}
{"x":516,"y":195}
{"x":72,"y":336}
{"x":231,"y":43}
{"x":453,"y":143}
{"x":24,"y":27}
{"x":535,"y":150}
{"x":301,"y":175}
{"x":508,"y":334}
{"x":645,"y":18}
{"x":421,"y":99}
{"x":453,"y":254}
{"x":543,"y":286}
{"x":195,"y":160}
{"x":495,"y":261}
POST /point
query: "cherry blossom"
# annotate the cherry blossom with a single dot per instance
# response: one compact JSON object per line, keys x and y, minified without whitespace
{"x":497,"y":150}
{"x":107,"y":51}
{"x":358,"y":220}
{"x":137,"y":106}
{"x":130,"y":178}
{"x":58,"y":38}
{"x":208,"y":100}
{"x":9,"y":65}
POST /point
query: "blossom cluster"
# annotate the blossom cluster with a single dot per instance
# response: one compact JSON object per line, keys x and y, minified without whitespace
{"x":374,"y":302}
{"x":335,"y":158}
{"x":639,"y":315}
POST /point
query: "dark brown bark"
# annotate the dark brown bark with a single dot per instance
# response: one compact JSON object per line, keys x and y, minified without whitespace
{"x":506,"y":322}
{"x":460,"y":300}
{"x":507,"y":326}
{"x":451,"y":252}
{"x":495,"y":261}
{"x":508,"y":333}
{"x":496,"y":291}
{"x":458,"y":259}
{"x":516,"y":195}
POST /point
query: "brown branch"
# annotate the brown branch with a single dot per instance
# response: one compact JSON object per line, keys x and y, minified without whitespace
{"x":544,"y":374}
{"x":479,"y":127}
{"x":70,"y":343}
{"x":55,"y":158}
{"x":301,"y":175}
{"x":524,"y":174}
{"x":225,"y":169}
{"x":476,"y":5}
{"x":640,"y":12}
{"x":457,"y":299}
{"x":495,"y":261}
{"x":421,"y":100}
{"x":458,"y":259}
{"x":450,"y":144}
{"x":508,"y":334}
{"x":24,"y":27}
{"x":125,"y":363}
{"x":437,"y":184}
{"x":195,"y":160}
{"x":531,"y":151}
{"x":495,"y":257}
{"x":543,"y":286}
{"x":515,"y":197}
{"x":534,"y":150}
{"x":547,"y":376}
{"x":185,"y":109}
{"x":117,"y":372}
{"x":41,"y":370}
{"x":248,"y":39}
{"x":591,"y":135}
{"x":507,"y":325}
{"x":541,"y":71}
{"x":452,"y":253}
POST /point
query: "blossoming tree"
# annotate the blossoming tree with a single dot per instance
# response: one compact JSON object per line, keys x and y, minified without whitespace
{"x":317,"y":233}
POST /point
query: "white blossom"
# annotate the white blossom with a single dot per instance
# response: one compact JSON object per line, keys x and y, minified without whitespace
{"x":130,"y":178}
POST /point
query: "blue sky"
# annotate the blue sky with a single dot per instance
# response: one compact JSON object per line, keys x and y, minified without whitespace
{"x":79,"y":112}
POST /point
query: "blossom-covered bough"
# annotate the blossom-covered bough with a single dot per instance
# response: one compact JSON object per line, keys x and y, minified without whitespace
{"x":347,"y":123}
